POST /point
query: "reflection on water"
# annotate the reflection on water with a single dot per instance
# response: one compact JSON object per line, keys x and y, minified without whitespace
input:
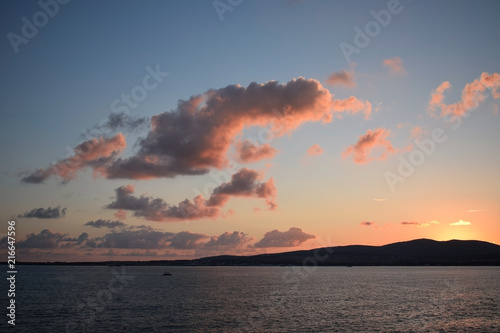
{"x":258,"y":299}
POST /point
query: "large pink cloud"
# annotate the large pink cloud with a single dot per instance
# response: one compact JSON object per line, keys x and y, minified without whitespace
{"x":198,"y":134}
{"x":472,"y":95}
{"x":244,"y":183}
{"x":368,"y":142}
{"x":94,"y":153}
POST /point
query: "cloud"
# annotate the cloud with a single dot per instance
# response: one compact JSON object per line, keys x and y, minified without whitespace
{"x":367,"y":223}
{"x":395,"y":65}
{"x":186,"y":240}
{"x":460,"y":223}
{"x":117,"y":121}
{"x":416,"y":132}
{"x":380,"y":200}
{"x":420,"y":225}
{"x":473,"y":94}
{"x":227,"y":241}
{"x":244,"y":183}
{"x":198,"y":134}
{"x":133,"y":239}
{"x":343,"y":78}
{"x":314,"y":150}
{"x":105,"y":223}
{"x":44,"y":213}
{"x":291,"y":238}
{"x":46,"y":239}
{"x":367,"y":142}
{"x":94,"y":153}
{"x":146,"y":253}
{"x":120,"y":215}
{"x":247,"y":152}
{"x":476,"y":210}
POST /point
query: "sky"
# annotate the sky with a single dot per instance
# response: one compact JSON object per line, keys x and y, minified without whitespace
{"x":158,"y":130}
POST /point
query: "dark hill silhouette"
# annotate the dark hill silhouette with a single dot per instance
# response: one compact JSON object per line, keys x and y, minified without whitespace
{"x":415,"y":252}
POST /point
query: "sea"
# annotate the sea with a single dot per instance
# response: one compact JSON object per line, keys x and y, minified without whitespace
{"x":255,"y":299}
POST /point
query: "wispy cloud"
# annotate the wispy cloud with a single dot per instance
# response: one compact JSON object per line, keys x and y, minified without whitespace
{"x":366,"y":143}
{"x":420,"y":225}
{"x":460,"y":223}
{"x":314,"y":150}
{"x":380,"y":199}
{"x":395,"y":65}
{"x":473,"y":94}
{"x":367,"y":223}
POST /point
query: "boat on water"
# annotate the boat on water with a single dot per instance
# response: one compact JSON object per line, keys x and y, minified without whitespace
{"x":167,"y":273}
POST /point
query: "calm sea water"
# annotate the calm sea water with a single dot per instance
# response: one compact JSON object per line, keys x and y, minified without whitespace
{"x":257,"y":299}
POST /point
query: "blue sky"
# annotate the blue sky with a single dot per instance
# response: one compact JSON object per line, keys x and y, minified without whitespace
{"x":64,"y":80}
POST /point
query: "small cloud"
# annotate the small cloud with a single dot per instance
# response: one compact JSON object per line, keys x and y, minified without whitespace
{"x":315,"y":150}
{"x":420,"y":225}
{"x":461,"y":223}
{"x":476,"y":210}
{"x":395,"y":65}
{"x":343,"y":78}
{"x":247,"y":152}
{"x":105,"y":223}
{"x":367,"y":223}
{"x":44,"y":213}
{"x":292,"y":237}
{"x":120,"y":214}
{"x":416,"y":132}
{"x":380,"y":200}
{"x":368,"y":142}
{"x":495,"y":110}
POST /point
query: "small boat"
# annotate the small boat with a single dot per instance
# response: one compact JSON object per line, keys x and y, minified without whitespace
{"x":167,"y":273}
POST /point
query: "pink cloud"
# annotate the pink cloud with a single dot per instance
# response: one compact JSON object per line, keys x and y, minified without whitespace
{"x":198,"y":134}
{"x":315,"y":150}
{"x":395,"y":65}
{"x":247,"y":152}
{"x":473,"y":94}
{"x":416,"y":132}
{"x":343,"y":78}
{"x":94,"y":153}
{"x":120,"y":214}
{"x":367,"y":142}
{"x":244,"y":183}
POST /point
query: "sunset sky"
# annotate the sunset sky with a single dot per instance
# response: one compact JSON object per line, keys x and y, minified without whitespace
{"x":138,"y":130}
